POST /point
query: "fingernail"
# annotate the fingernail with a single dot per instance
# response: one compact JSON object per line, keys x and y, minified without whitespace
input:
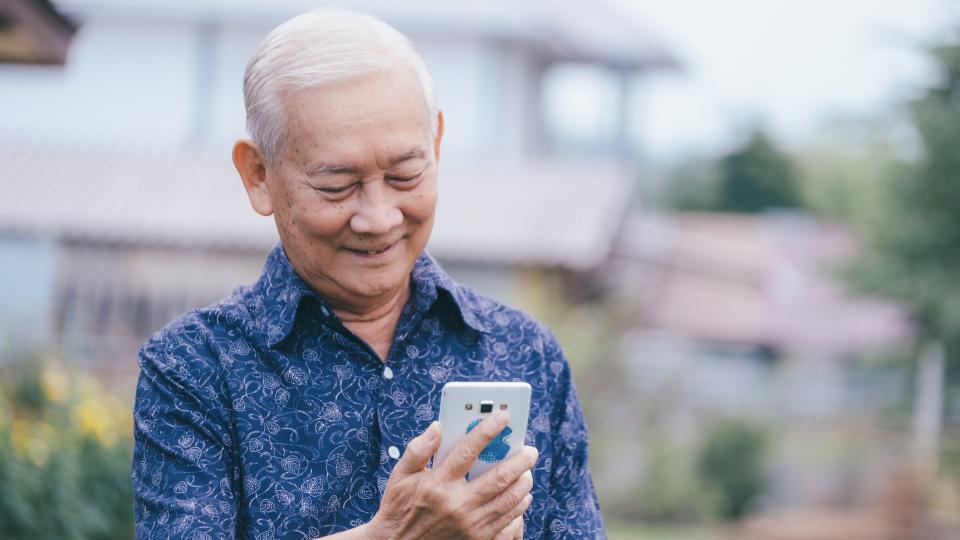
{"x":500,"y":417}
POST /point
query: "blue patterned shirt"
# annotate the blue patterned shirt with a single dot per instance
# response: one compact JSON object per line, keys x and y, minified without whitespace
{"x":263,"y":417}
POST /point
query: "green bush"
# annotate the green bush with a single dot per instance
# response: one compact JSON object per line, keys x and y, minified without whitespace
{"x":64,"y":457}
{"x":671,"y":492}
{"x":732,"y":466}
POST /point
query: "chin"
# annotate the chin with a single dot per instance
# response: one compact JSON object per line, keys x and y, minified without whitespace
{"x":373,"y":290}
{"x":371,"y":284}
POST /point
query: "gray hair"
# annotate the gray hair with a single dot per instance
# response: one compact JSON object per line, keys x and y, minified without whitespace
{"x":318,"y":47}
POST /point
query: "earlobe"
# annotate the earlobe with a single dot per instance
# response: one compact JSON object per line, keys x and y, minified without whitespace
{"x":439,"y":136}
{"x":252,"y":166}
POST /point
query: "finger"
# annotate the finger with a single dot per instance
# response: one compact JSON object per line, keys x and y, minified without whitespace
{"x":502,"y":520}
{"x":418,"y":452}
{"x":459,"y":461}
{"x":513,"y":531}
{"x":510,"y":497}
{"x":497,"y":480}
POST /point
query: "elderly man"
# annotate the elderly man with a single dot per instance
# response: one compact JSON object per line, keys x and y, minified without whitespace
{"x":302,"y":406}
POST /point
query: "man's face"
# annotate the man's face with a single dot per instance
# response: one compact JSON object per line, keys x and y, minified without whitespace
{"x":354,"y":187}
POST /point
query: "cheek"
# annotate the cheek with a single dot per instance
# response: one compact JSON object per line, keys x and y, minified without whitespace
{"x":421,"y":204}
{"x":318,"y":219}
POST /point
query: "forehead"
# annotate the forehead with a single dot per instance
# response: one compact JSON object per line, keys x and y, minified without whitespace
{"x":378,"y":112}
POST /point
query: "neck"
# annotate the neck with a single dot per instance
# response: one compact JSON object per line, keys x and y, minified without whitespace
{"x":374,"y":322}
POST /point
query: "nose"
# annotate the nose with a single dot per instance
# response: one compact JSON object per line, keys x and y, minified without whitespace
{"x":377,"y":210}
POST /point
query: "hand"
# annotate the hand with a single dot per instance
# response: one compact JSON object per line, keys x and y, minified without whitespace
{"x":438,"y":503}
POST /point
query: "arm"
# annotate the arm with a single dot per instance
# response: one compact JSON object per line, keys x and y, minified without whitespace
{"x":574,"y":511}
{"x":183,"y":473}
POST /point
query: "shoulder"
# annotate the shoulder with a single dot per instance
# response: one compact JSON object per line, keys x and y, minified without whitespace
{"x":502,"y":321}
{"x":189,"y":348}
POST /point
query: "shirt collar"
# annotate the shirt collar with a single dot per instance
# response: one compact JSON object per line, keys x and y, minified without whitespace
{"x":428,"y":277}
{"x":278,"y":292}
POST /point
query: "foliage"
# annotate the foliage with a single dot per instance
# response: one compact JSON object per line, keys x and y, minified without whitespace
{"x":64,"y":457}
{"x":672,"y":491}
{"x":755,"y":177}
{"x":731,"y":465}
{"x":914,"y":254}
{"x":693,"y":186}
{"x":846,"y":174}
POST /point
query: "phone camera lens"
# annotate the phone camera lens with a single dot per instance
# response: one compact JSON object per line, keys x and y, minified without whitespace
{"x":486,"y":407}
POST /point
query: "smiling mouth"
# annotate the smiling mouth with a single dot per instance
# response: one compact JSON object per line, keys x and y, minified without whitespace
{"x":373,"y":252}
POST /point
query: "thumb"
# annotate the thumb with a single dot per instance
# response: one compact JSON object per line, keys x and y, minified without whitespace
{"x":418,"y":452}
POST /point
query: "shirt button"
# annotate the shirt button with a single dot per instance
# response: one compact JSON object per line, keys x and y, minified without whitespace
{"x":393,"y":452}
{"x":387,"y":373}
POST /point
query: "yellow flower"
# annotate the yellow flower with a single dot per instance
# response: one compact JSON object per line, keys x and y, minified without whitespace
{"x":55,"y":385}
{"x":35,"y":440}
{"x":92,"y":417}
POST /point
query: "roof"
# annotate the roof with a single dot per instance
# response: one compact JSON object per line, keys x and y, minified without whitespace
{"x":522,"y":214}
{"x":756,"y":279}
{"x":559,"y":30}
{"x":32,"y":31}
{"x":546,"y":213}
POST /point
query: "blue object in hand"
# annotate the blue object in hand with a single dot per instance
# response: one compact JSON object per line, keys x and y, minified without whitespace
{"x":498,"y":447}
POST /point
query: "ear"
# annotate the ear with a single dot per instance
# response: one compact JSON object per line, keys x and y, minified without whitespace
{"x":439,"y":136}
{"x":252,"y":166}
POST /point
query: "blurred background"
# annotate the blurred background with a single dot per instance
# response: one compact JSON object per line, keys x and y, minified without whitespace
{"x":741,"y":218}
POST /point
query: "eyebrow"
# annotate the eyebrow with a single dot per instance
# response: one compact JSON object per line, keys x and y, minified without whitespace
{"x":322,"y":168}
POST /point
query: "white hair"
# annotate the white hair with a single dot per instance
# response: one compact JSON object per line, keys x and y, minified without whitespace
{"x":317,"y":47}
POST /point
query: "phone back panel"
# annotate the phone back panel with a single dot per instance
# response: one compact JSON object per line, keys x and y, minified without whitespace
{"x":457,"y":419}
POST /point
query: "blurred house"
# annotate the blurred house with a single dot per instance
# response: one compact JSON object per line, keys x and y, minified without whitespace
{"x":123,"y":209}
{"x":744,"y":294}
{"x":746,"y":317}
{"x":33,"y":32}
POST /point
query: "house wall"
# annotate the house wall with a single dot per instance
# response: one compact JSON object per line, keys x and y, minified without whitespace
{"x":109,"y":299}
{"x":172,"y":82}
{"x":27,"y":268}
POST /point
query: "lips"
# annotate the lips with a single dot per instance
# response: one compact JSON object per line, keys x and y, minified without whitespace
{"x":374,"y":251}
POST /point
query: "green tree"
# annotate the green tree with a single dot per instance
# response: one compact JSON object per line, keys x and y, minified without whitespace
{"x":914,"y":254}
{"x":757,"y":177}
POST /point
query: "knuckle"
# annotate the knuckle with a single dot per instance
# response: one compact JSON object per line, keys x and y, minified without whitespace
{"x":502,"y":477}
{"x":464,"y":453}
{"x":430,"y":493}
{"x":510,"y":498}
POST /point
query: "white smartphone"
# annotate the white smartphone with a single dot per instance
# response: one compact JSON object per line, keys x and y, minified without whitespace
{"x":464,"y":404}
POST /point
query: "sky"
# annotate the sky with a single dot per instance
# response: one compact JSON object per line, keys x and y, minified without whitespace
{"x":790,"y":65}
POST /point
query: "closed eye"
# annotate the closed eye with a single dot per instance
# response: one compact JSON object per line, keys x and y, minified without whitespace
{"x":337,"y":189}
{"x":335,"y":192}
{"x":404,"y":179}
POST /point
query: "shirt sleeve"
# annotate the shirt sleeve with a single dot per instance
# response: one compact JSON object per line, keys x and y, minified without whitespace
{"x":572,"y":509}
{"x":183,"y":472}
